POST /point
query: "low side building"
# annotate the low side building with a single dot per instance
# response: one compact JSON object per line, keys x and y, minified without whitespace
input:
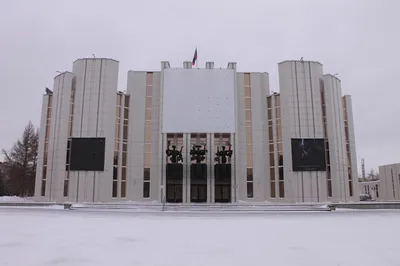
{"x":390,"y":182}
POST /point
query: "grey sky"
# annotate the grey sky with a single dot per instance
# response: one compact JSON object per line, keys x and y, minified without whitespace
{"x":359,"y":39}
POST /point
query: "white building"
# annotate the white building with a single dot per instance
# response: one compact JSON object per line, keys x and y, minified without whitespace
{"x":389,"y":176}
{"x":100,"y":145}
{"x":371,"y":188}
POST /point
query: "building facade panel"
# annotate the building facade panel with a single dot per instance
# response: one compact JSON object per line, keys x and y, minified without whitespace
{"x":390,"y":182}
{"x":259,"y":92}
{"x":95,"y":86}
{"x":42,"y":147}
{"x":87,"y":104}
{"x":59,"y":135}
{"x":301,"y":115}
{"x":351,"y":144}
{"x":137,"y":117}
{"x":336,"y":137}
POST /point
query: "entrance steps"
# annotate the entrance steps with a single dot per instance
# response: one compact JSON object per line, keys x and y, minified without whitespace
{"x":225,"y":208}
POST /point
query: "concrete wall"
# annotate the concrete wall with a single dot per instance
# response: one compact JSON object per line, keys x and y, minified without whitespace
{"x":137,"y":90}
{"x":94,"y":116}
{"x":240,"y":139}
{"x":371,"y":188}
{"x":58,"y":136}
{"x":336,"y":137}
{"x":390,"y":182}
{"x":95,"y":84}
{"x":299,"y":83}
{"x":352,"y":143}
{"x":41,"y":146}
{"x":259,"y":87}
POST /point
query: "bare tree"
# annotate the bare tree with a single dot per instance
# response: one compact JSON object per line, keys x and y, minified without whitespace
{"x":21,"y":160}
{"x":3,"y":190}
{"x":372,"y":175}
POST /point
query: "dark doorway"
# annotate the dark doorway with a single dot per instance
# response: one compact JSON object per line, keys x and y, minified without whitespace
{"x":198,"y":182}
{"x":174,"y":193}
{"x":223,"y":184}
{"x":174,"y":176}
{"x":198,"y":193}
{"x":223,"y":193}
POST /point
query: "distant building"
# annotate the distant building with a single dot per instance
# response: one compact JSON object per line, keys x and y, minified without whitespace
{"x":193,"y":135}
{"x":372,"y":188}
{"x":390,"y":182}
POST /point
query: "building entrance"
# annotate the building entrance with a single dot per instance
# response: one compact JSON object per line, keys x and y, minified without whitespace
{"x":222,"y":183}
{"x":174,"y":176}
{"x":198,"y":182}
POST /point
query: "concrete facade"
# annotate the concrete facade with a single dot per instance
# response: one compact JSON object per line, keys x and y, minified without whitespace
{"x":389,"y":176}
{"x":371,"y":188}
{"x":85,"y":103}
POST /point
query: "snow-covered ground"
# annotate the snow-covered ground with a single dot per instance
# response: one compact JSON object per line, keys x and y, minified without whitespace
{"x":62,"y":237}
{"x":14,"y":199}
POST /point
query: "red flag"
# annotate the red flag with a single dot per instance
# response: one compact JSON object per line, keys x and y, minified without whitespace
{"x":194,"y":57}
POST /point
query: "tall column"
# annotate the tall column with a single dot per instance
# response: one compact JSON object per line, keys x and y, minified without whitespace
{"x":208,"y":163}
{"x":211,"y":172}
{"x":163,"y":181}
{"x":233,"y":172}
{"x":186,"y":168}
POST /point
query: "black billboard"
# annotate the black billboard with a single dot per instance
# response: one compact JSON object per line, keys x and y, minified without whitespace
{"x":308,"y":154}
{"x":87,"y":154}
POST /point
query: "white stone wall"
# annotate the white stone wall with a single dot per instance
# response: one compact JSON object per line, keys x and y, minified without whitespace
{"x":42,"y":133}
{"x":94,"y":116}
{"x":336,"y":138}
{"x":301,"y":113}
{"x":58,"y":136}
{"x":352,"y":145}
{"x":390,"y":182}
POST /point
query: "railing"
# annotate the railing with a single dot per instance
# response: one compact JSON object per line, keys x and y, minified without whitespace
{"x":164,"y":200}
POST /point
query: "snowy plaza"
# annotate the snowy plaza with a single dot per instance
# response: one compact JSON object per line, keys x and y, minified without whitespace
{"x":51,"y":236}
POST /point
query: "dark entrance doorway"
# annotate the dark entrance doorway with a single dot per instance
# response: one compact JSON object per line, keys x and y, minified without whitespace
{"x":174,"y":176}
{"x":198,"y":182}
{"x":223,"y":183}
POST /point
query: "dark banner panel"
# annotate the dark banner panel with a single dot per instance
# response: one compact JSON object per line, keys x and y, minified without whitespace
{"x":87,"y":154}
{"x":222,"y":172}
{"x":174,"y":171}
{"x":308,"y":155}
{"x":198,"y":171}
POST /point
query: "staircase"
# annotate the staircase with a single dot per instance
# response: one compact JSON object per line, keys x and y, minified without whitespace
{"x":201,"y":208}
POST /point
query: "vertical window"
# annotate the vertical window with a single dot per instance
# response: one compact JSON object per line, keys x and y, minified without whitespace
{"x":147,"y":135}
{"x":117,"y":138}
{"x":281,"y":181}
{"x":271,"y":148}
{"x":328,"y":168}
{"x":393,"y":187}
{"x":124,"y":151}
{"x":277,"y":186}
{"x":46,"y":145}
{"x":249,"y":137}
{"x":346,"y":131}
{"x":70,"y":123}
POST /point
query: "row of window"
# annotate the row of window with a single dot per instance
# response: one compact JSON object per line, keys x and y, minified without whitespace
{"x":120,"y":156}
{"x":346,"y":131}
{"x":147,"y":135}
{"x":46,"y":145}
{"x":249,"y":137}
{"x":70,"y":123}
{"x":275,"y":143}
{"x":327,"y":156}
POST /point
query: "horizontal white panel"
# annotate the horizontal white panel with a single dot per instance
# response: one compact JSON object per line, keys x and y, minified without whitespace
{"x":198,"y":100}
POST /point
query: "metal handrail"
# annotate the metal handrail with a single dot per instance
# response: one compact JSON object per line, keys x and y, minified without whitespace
{"x":163,"y":202}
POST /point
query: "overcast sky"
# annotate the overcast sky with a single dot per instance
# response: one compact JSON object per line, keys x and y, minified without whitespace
{"x":359,"y":39}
